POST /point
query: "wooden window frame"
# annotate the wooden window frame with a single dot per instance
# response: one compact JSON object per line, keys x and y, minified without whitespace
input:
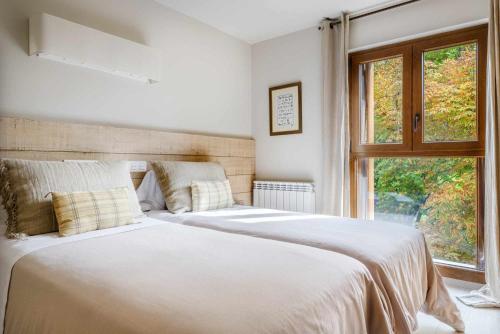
{"x":412,"y":146}
{"x":412,"y":103}
{"x":479,"y":36}
{"x":404,"y":51}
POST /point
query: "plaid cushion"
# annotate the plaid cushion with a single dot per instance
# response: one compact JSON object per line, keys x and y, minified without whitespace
{"x":211,"y":195}
{"x":80,"y":212}
{"x":24,"y":185}
{"x":175,"y":179}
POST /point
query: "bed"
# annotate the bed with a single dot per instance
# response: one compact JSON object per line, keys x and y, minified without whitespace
{"x":396,"y":256}
{"x":155,"y":277}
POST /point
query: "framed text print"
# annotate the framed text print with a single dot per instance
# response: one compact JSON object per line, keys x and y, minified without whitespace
{"x":285,"y":109}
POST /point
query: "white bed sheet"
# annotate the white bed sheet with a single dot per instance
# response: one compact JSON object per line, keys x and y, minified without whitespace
{"x":11,"y":250}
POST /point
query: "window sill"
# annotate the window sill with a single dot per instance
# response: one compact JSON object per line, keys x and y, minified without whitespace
{"x":461,"y":273}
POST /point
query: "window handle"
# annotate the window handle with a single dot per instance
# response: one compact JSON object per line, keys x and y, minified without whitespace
{"x":416,"y":120}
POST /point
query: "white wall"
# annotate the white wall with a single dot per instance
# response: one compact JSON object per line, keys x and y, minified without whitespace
{"x":206,"y":85}
{"x":297,"y":57}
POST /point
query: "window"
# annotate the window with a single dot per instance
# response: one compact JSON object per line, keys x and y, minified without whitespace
{"x":417,"y":140}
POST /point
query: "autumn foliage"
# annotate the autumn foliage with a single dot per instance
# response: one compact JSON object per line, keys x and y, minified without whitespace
{"x":438,"y":194}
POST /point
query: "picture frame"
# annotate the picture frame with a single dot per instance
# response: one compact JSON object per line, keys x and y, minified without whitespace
{"x":285,"y":109}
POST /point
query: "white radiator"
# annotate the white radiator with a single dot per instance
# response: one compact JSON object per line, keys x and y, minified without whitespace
{"x":288,"y":196}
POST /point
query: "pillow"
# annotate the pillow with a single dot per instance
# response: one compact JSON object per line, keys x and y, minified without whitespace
{"x":25,"y":186}
{"x":79,"y":212}
{"x":149,"y":193}
{"x":211,"y":195}
{"x":175,"y":178}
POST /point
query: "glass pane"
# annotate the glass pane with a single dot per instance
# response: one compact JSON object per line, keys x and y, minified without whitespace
{"x":450,"y":91}
{"x":381,"y":101}
{"x":436,"y":195}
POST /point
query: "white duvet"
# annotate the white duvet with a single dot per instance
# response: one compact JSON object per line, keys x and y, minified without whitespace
{"x":11,"y":250}
{"x":396,"y":255}
{"x":155,"y":277}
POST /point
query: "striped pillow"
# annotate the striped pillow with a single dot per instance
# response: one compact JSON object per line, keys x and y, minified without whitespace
{"x":211,"y":195}
{"x":79,"y":212}
{"x":24,"y":185}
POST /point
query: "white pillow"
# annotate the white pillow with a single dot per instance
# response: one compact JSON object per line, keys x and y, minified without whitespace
{"x":175,"y":178}
{"x":149,"y":193}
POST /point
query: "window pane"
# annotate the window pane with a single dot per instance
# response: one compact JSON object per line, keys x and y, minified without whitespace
{"x":450,"y":91}
{"x":381,"y":101}
{"x":436,"y":195}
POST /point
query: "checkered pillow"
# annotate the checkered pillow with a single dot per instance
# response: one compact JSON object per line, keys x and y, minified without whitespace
{"x":211,"y":195}
{"x":175,"y":179}
{"x":24,"y":185}
{"x":79,"y":212}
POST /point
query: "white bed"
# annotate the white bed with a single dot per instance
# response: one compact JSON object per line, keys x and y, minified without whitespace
{"x":396,"y":256}
{"x":155,"y":277}
{"x":11,"y":250}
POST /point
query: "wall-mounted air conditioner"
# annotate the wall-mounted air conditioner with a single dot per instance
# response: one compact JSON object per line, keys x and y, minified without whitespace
{"x":57,"y":39}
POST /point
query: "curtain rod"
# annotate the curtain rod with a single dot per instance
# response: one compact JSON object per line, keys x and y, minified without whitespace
{"x":335,"y":21}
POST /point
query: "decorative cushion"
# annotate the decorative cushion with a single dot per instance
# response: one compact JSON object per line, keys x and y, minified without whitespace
{"x":211,"y":195}
{"x":79,"y":212}
{"x":175,"y":178}
{"x":25,"y":185}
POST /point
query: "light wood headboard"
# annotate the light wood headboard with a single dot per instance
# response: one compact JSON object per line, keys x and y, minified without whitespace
{"x":47,"y":140}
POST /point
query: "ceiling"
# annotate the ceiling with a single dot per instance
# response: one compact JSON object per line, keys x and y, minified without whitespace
{"x":257,"y":20}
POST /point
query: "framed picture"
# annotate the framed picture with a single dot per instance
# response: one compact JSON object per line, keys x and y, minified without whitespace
{"x":285,"y":109}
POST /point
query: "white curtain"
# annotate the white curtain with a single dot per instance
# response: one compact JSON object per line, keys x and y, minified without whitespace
{"x":335,"y":40}
{"x":492,"y":163}
{"x":489,"y":295}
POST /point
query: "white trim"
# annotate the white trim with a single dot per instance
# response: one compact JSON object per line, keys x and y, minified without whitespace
{"x":419,"y":35}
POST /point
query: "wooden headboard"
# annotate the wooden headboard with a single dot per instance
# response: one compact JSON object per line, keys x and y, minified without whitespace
{"x":47,"y":140}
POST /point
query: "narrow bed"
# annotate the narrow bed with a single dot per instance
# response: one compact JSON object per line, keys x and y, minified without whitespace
{"x":154,"y":277}
{"x":396,"y":256}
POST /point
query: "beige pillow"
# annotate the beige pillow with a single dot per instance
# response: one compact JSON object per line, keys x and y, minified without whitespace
{"x":211,"y":195}
{"x":26,"y":186}
{"x":80,"y":212}
{"x":175,"y":178}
